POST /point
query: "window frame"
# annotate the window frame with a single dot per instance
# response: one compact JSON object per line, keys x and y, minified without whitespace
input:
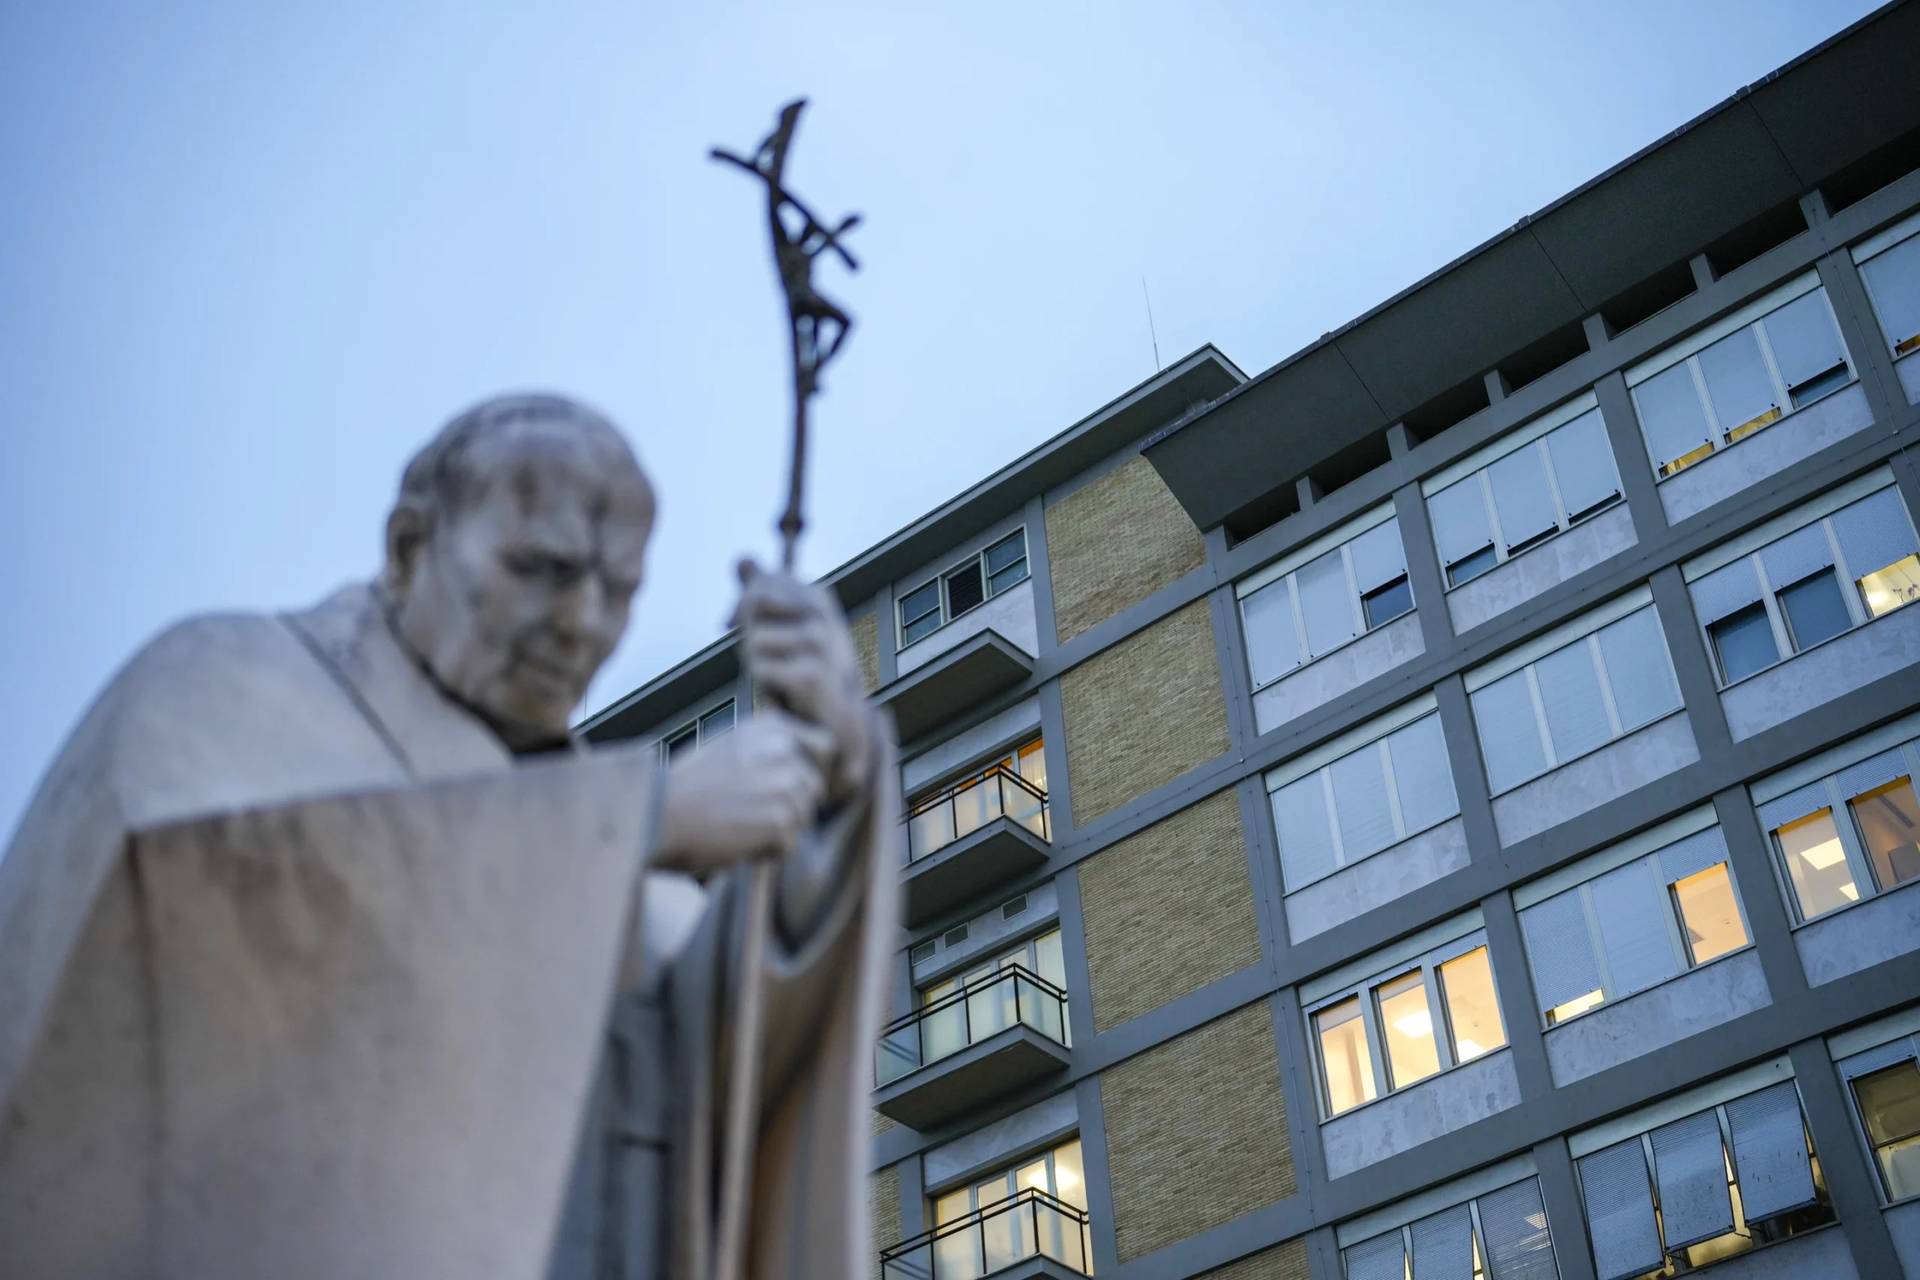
{"x":1903,"y":233}
{"x":1366,"y":994}
{"x":939,"y":579}
{"x":1898,"y":1051}
{"x":1852,"y":841}
{"x":694,"y":727}
{"x":1287,"y":584}
{"x":1483,"y":1263}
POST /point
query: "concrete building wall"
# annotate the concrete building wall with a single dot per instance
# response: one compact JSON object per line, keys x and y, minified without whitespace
{"x":1143,"y":712}
{"x":1115,"y":542}
{"x":1196,"y":1132}
{"x":1168,"y":910}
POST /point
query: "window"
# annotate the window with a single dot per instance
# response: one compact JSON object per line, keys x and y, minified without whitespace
{"x":1024,"y":984}
{"x":704,"y":728}
{"x":1308,"y":610}
{"x":1792,"y":592}
{"x":1893,"y":282}
{"x":1741,"y":383}
{"x":963,"y":587}
{"x":1436,"y":1013}
{"x":1543,"y":487}
{"x":1580,"y":696}
{"x":1889,"y":1105}
{"x":1716,"y":1183}
{"x":1013,"y":786}
{"x":1496,"y":1236}
{"x":1362,"y":802}
{"x":1848,"y":836}
{"x":1633,"y":926}
{"x":1036,"y":1208}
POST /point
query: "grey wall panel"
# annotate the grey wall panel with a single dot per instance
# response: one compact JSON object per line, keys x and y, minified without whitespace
{"x":1821,"y":1256}
{"x":1372,"y":882}
{"x":1691,"y":1003}
{"x":1768,"y":453}
{"x":1431,"y":1109}
{"x":1546,"y":566}
{"x":1343,"y":670}
{"x":995,"y":1143}
{"x":1860,"y":936}
{"x":1018,"y":720}
{"x":1884,"y":646}
{"x":1594,"y":779}
{"x":1903,"y":1224}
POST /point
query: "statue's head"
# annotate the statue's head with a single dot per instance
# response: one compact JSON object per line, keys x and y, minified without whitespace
{"x":513,"y":553}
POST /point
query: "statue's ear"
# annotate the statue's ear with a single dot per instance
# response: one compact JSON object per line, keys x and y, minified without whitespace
{"x":407,"y":531}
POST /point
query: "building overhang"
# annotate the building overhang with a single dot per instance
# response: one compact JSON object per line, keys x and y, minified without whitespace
{"x":966,"y":675}
{"x":969,"y":867}
{"x":969,"y":1079}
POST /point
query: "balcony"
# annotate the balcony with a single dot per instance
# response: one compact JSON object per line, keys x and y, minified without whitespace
{"x":959,"y":679}
{"x":1023,"y":1237}
{"x":976,"y":834}
{"x":969,"y":1047}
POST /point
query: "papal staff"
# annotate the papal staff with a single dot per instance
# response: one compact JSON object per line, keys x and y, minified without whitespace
{"x":817,"y":328}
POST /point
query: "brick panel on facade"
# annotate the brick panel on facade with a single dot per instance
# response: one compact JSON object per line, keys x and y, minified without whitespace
{"x":866,"y":647}
{"x":885,"y":1189}
{"x":1286,"y":1261}
{"x":1143,"y":712}
{"x":1115,"y":542}
{"x":1168,"y":910}
{"x":1196,"y":1132}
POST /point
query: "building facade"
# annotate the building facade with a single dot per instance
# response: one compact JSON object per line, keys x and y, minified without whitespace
{"x":1445,"y":806}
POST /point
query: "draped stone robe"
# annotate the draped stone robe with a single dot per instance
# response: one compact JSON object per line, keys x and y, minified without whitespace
{"x":302,"y":974}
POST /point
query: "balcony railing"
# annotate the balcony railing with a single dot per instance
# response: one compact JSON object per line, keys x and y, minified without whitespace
{"x":965,"y":807}
{"x":1031,"y":1224}
{"x":1012,"y":996}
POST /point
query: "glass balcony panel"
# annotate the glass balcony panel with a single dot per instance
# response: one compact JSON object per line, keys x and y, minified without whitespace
{"x":928,"y":830}
{"x":1041,"y":1011}
{"x":975,"y":805}
{"x":1006,"y":1233}
{"x":909,"y":1264}
{"x":899,"y":1054}
{"x":999,"y":791}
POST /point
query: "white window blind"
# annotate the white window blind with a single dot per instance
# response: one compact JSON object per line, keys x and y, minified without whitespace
{"x":1513,"y":1228}
{"x":1689,"y":1165}
{"x":1576,"y":710}
{"x":1770,"y":1151}
{"x":1367,"y":814}
{"x":1381,"y":1258}
{"x":1583,"y":464}
{"x":1632,"y":909}
{"x":1443,"y":1245}
{"x":1874,"y":532}
{"x":1619,"y":1201}
{"x":1509,"y":731}
{"x":1561,"y":950}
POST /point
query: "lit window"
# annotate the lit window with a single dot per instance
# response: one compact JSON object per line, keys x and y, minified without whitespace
{"x":1571,"y":1008}
{"x":1709,"y":914}
{"x":1037,"y":1208}
{"x":1885,"y":590}
{"x":1888,"y":819}
{"x":1473,"y":1009}
{"x":1889,"y":1101}
{"x":964,"y":587}
{"x":1743,"y":642}
{"x":1344,"y":1056}
{"x":1408,"y":1026}
{"x":1816,"y":864}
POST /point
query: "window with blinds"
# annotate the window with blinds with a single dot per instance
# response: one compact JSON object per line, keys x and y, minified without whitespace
{"x":1849,"y":836}
{"x":1836,"y":572}
{"x":1633,"y":926}
{"x":1719,"y":1182}
{"x":1367,"y":800}
{"x":1583,"y":695}
{"x":1501,"y":1235}
{"x":1892,"y":278}
{"x":1306,"y":612}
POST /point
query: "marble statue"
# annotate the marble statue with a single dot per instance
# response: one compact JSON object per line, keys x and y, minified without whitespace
{"x":327,"y":950}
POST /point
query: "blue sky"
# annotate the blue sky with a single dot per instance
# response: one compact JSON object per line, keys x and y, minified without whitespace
{"x":252,"y":255}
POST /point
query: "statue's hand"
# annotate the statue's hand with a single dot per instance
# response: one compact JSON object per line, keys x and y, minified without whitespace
{"x":797,"y":647}
{"x":751,"y":792}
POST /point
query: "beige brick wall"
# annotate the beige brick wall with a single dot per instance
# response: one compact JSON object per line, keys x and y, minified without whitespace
{"x":1115,"y":542}
{"x":885,"y":1188}
{"x":1143,"y":712}
{"x":881,"y":1124}
{"x":1196,"y":1132}
{"x":866,"y":647}
{"x":1168,"y":910}
{"x":1285,"y":1261}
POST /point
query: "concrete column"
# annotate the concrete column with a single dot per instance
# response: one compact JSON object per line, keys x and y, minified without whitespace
{"x":1702,"y":269}
{"x":1514,"y":985}
{"x":1630,"y":456}
{"x":1308,"y":490}
{"x":1850,"y":1182}
{"x":1469,"y":770}
{"x":1053,"y":735}
{"x":1566,"y":1216}
{"x":1698,"y":687}
{"x":1423,"y":567}
{"x":1497,"y":387}
{"x":1860,"y":331}
{"x":1400,"y":441}
{"x":1768,"y":918}
{"x":1093,"y":1156}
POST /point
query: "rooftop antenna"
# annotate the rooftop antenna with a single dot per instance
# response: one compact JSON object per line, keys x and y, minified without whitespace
{"x":1150,"y":329}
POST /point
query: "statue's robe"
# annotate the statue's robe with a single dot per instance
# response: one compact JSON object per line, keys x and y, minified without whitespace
{"x":302,"y":974}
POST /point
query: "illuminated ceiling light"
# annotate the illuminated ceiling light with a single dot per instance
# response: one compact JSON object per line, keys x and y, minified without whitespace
{"x":1414,"y":1025}
{"x":1827,"y":853}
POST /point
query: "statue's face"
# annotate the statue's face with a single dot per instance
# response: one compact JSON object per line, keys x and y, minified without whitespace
{"x":516,"y":597}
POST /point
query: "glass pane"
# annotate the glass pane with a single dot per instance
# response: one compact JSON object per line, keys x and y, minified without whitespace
{"x":1013,"y":575}
{"x":956,"y":1255}
{"x":1638,"y":669}
{"x":1069,"y":1176}
{"x":1815,"y":609}
{"x":1327,"y":601}
{"x":990,"y":1007}
{"x":1378,"y":558}
{"x":1007,"y":552}
{"x":1583,"y":464}
{"x":681,"y":743}
{"x":1344,"y":1056}
{"x":1473,"y":1010}
{"x":1887,"y":589}
{"x":919,"y":602}
{"x":1671,"y":418}
{"x":1273,"y":645}
{"x":1817,"y":864}
{"x":930,"y":829}
{"x":1893,"y":278}
{"x":943,"y":1031}
{"x":1406,"y":1024}
{"x":1460,"y":524}
{"x":1387,"y":603}
{"x":1004,"y":1237}
{"x":1033,"y":765}
{"x":1738,"y":384}
{"x":1046,"y":958}
{"x":1743,"y":643}
{"x":1889,"y":1102}
{"x":1422,"y":775}
{"x":1305,"y":832}
{"x":975,"y":805}
{"x":716,"y":721}
{"x":1709,"y":916}
{"x":1472,"y":566}
{"x":1570,"y":691}
{"x":1806,"y":346}
{"x":1889,"y":822}
{"x":965,"y":588}
{"x":1361,"y":805}
{"x":1521,"y":497}
{"x":1509,"y":733}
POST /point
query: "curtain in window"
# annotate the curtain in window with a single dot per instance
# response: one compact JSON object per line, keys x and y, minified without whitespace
{"x":1306,"y":836}
{"x":1381,"y":1258}
{"x":1360,"y":803}
{"x":1378,"y":557}
{"x":1770,"y":1151}
{"x":1560,"y":948}
{"x":1800,"y":553}
{"x":1619,"y":1200}
{"x":1874,"y":532}
{"x":1693,"y":855}
{"x":1689,"y":1166}
{"x":1638,"y":669}
{"x":1726,"y":590}
{"x":1632,"y":908}
{"x":1670,"y":414}
{"x":1874,"y":771}
{"x":1804,"y":339}
{"x":1583,"y":464}
{"x":1460,"y":524}
{"x":1576,"y":709}
{"x":1513,"y":1232}
{"x":1509,"y":734}
{"x":1422,"y":775}
{"x":1443,"y":1246}
{"x":1521,"y":496}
